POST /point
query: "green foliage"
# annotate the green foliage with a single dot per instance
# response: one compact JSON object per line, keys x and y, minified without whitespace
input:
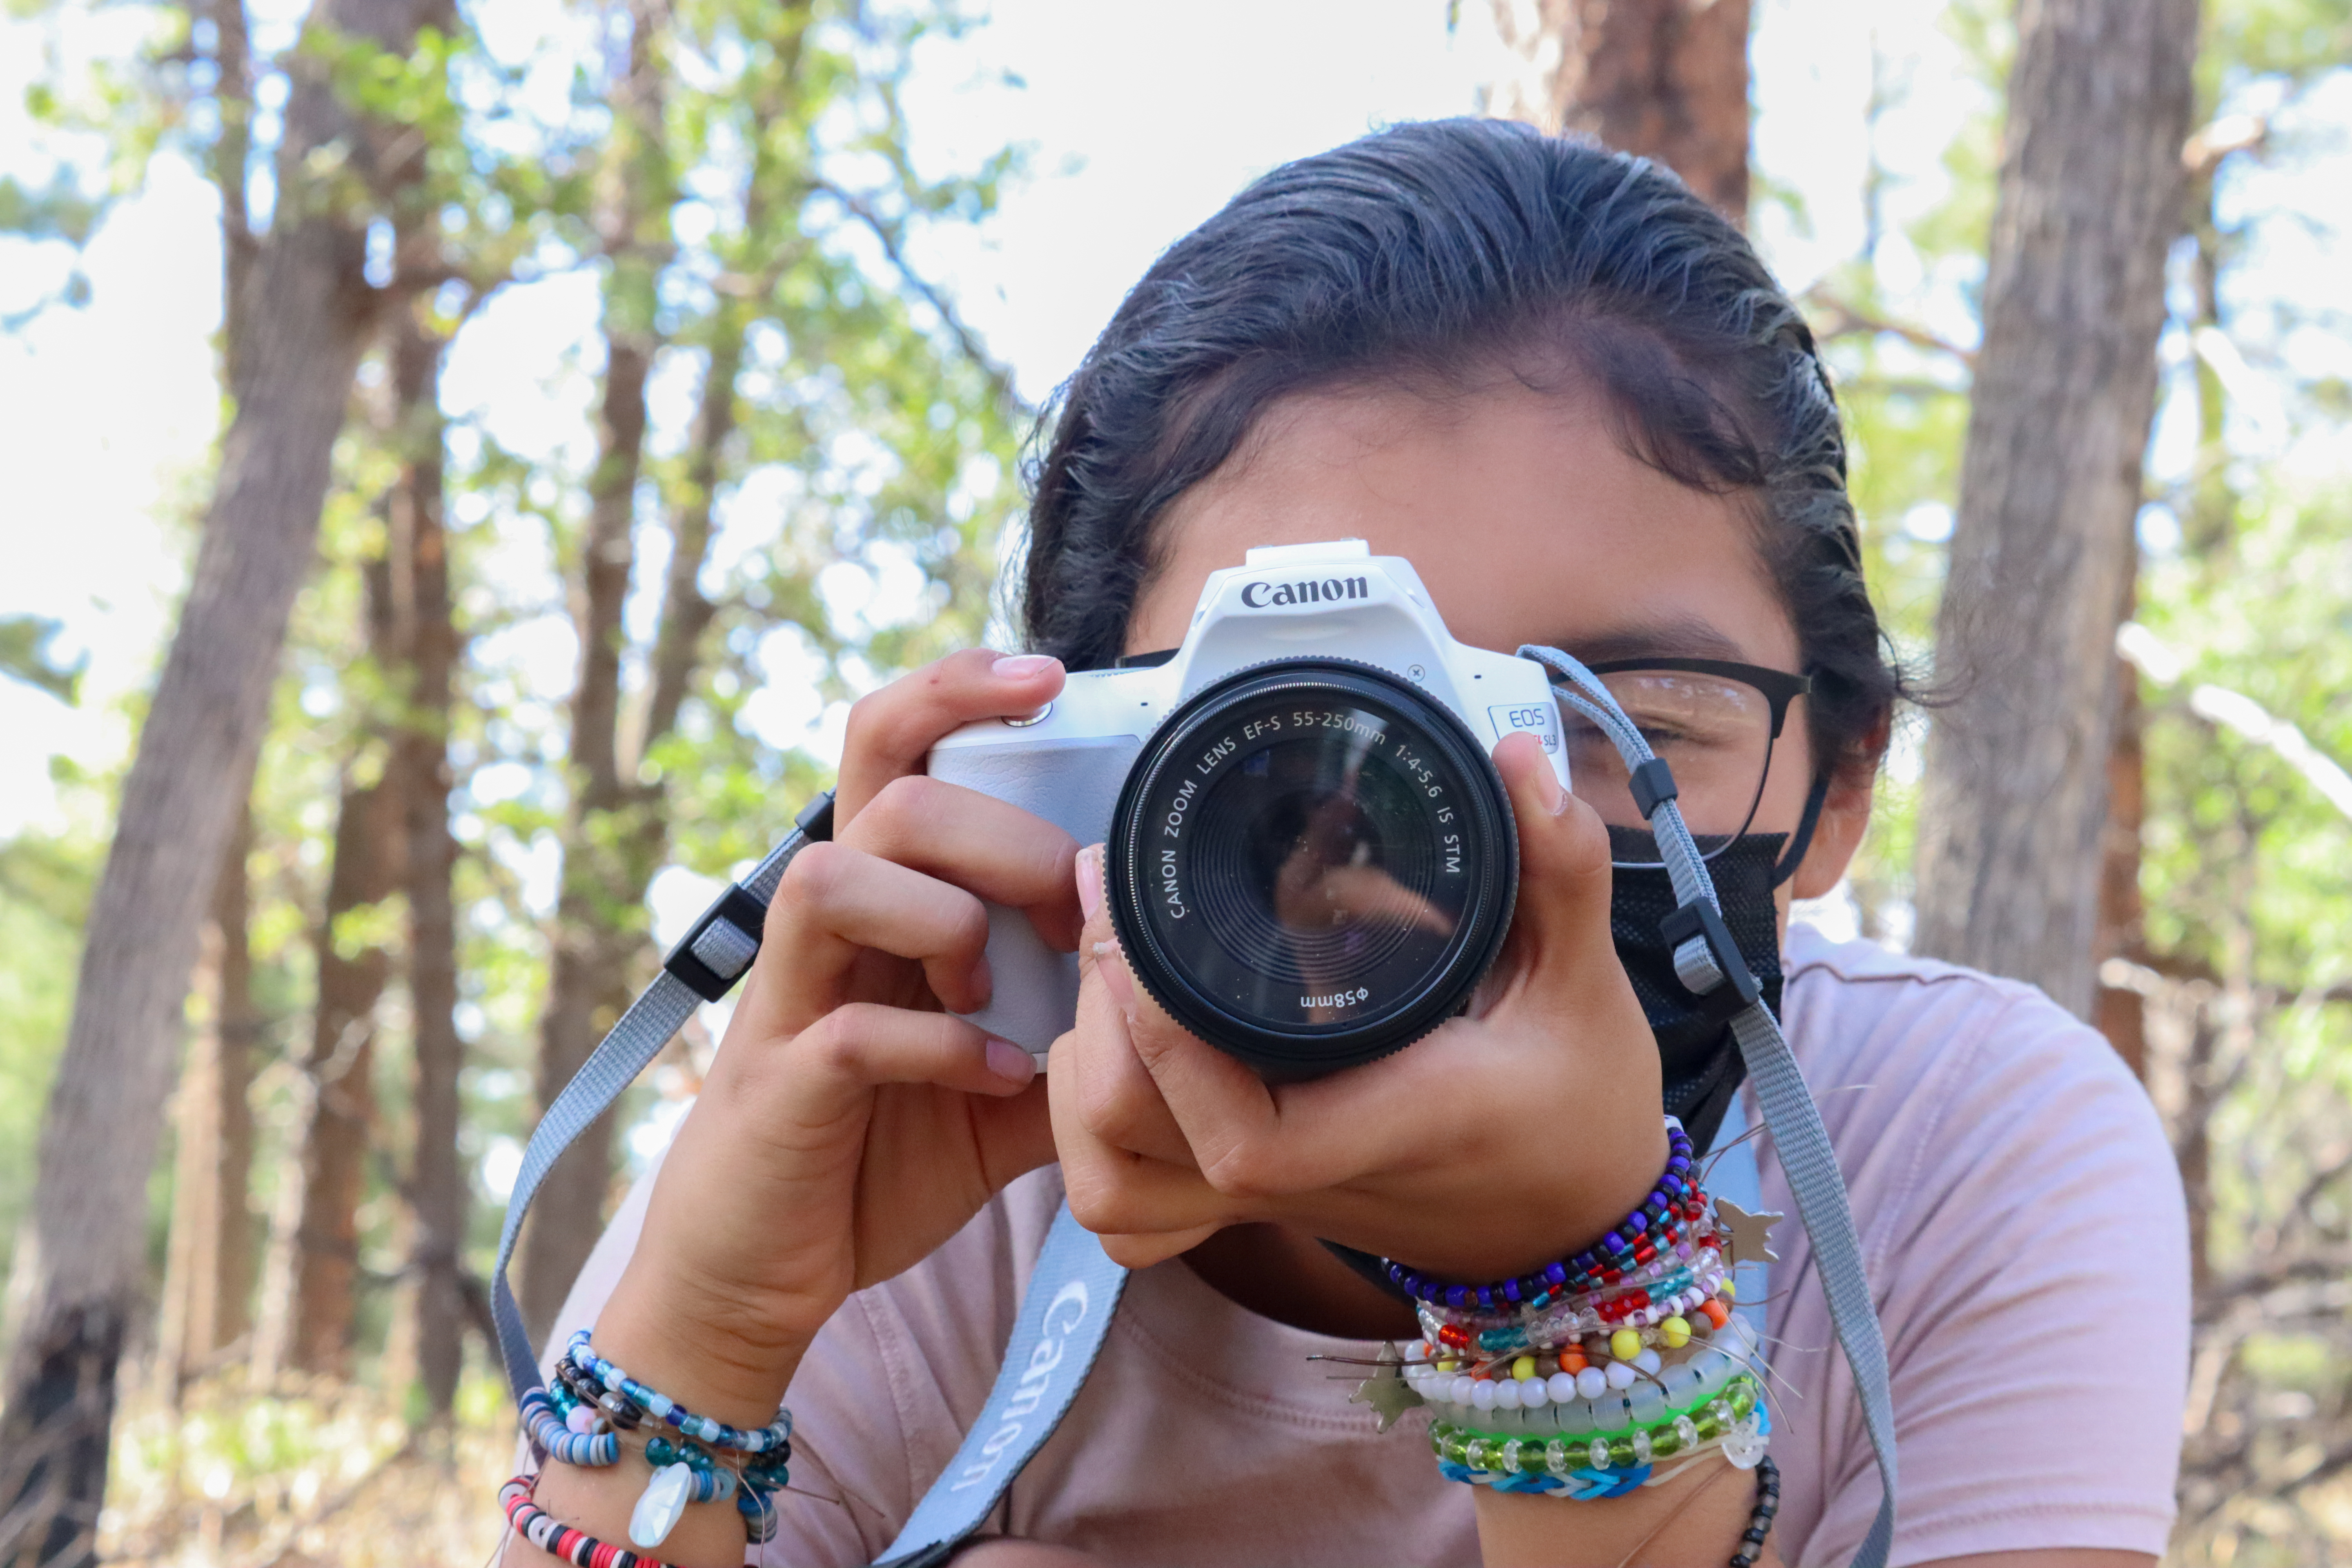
{"x":24,"y":656}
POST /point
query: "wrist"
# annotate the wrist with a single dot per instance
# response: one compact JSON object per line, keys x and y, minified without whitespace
{"x":1537,"y":1225}
{"x":721,"y":1357}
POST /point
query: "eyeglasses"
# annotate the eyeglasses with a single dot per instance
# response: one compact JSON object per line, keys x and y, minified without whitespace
{"x":1714,"y":722}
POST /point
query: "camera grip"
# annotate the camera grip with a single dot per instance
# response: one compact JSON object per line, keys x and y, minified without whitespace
{"x":1072,"y":783}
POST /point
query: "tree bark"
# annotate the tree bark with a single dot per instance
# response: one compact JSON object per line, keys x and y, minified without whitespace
{"x":208,"y":1282}
{"x":599,"y":917}
{"x":2014,"y":809}
{"x":79,"y":1268}
{"x":232,"y":154}
{"x":315,"y":1265}
{"x":424,"y":634}
{"x":1664,"y":78}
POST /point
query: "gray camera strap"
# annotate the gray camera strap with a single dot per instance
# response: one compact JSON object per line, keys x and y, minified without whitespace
{"x":1076,"y":1287}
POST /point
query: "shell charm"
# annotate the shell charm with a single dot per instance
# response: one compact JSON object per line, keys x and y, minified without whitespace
{"x":662,"y":1505}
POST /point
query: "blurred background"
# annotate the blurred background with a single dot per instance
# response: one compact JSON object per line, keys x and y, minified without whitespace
{"x":604,"y":392}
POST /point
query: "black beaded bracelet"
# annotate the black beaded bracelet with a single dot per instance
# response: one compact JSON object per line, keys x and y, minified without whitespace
{"x":1760,"y":1524}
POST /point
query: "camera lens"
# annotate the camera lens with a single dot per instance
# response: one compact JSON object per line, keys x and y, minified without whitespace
{"x":1312,"y":864}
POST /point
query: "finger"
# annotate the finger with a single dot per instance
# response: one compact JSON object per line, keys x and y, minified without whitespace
{"x":867,"y":1045}
{"x":1143,"y":1251}
{"x":837,"y":903}
{"x":797,"y":1091}
{"x":1114,"y":1190}
{"x":891,"y":731}
{"x":1114,"y":1096}
{"x":981,"y":844}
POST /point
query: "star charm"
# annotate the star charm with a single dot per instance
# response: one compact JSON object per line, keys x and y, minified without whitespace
{"x":1748,"y":1235}
{"x":1386,"y":1391}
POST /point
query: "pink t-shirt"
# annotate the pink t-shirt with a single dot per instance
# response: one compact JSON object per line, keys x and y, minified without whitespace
{"x":2022,"y":1225}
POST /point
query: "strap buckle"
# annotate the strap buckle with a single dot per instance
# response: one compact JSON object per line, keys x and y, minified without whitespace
{"x":1706,"y":957}
{"x":718,"y":951}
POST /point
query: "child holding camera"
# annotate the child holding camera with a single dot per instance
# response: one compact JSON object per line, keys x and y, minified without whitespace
{"x":1569,"y":395}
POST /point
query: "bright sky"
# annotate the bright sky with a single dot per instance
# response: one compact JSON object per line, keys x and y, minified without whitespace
{"x":1141,"y":129}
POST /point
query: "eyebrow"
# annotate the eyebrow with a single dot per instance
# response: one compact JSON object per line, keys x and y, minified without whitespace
{"x":1671,"y":637}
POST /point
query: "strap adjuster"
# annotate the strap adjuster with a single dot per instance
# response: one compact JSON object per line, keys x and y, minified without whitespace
{"x":744,"y":914}
{"x":1653,"y":783}
{"x":1706,"y":957}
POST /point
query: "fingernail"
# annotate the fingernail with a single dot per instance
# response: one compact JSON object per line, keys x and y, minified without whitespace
{"x":1010,"y":1062}
{"x":1112,"y":964}
{"x":1022,"y":666}
{"x":1090,"y":875}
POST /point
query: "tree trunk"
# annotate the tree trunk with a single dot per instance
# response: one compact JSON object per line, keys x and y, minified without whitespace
{"x":208,"y":1282}
{"x":424,"y":633}
{"x":79,"y":1268}
{"x":1664,"y":78}
{"x":314,"y":1267}
{"x":231,"y":164}
{"x":2012,"y":817}
{"x":599,"y":917}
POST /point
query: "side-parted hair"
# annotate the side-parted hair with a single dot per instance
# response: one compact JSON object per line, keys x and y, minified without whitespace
{"x":1429,"y":256}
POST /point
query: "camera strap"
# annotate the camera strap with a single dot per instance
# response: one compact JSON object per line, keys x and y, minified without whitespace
{"x":1706,"y":960}
{"x":1076,"y":1288}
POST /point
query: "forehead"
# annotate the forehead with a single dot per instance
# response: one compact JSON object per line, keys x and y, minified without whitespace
{"x":1521,"y":510}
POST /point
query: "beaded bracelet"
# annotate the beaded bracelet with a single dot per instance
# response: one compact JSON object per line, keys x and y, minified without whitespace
{"x":1583,"y":1401}
{"x":553,"y":1435}
{"x":1633,"y":1243}
{"x":1739,"y":1425}
{"x":684,"y":1473}
{"x":1686,"y":1288}
{"x":717,"y":1433}
{"x":552,"y":1536}
{"x":1759,"y":1522}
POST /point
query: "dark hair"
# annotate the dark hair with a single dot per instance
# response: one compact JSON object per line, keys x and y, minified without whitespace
{"x":1437,"y":250}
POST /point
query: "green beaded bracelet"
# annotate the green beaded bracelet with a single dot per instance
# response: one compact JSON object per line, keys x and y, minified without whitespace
{"x":1504,"y":1454}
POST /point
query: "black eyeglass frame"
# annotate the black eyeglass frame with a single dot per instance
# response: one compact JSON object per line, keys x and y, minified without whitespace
{"x":1778,"y":688}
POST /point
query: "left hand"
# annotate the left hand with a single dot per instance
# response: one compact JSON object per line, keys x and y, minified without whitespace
{"x":1515,"y":1134}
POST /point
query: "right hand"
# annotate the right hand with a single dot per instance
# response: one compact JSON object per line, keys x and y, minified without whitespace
{"x":849,"y":1124}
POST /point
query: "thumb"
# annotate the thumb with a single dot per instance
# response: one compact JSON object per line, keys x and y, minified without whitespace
{"x":1560,"y":959}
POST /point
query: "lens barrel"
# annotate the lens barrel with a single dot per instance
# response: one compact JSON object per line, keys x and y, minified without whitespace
{"x":1312,"y":864}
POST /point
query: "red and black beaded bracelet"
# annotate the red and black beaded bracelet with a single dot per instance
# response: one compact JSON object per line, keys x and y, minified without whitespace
{"x":1660,"y":1221}
{"x":550,"y":1535}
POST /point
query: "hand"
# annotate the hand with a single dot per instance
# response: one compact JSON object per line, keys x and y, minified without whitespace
{"x":1508,"y":1137}
{"x":849,"y":1124}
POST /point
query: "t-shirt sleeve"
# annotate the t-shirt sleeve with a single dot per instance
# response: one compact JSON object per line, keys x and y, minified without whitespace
{"x":2033,"y":1279}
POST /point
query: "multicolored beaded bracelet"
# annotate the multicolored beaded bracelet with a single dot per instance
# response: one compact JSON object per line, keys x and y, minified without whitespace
{"x":1634,"y":1242}
{"x":552,"y":1536}
{"x":717,"y":1433}
{"x":616,"y":1408}
{"x":1676,"y":1292}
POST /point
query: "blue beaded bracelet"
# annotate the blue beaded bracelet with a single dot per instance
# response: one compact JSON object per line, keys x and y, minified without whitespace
{"x":1656,"y":1219}
{"x":717,"y":1433}
{"x":559,"y":1442}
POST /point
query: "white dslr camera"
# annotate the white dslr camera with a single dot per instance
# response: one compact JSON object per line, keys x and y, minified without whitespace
{"x":1310,"y":858}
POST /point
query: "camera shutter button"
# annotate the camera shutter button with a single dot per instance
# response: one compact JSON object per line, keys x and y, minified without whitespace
{"x":1037,"y":718}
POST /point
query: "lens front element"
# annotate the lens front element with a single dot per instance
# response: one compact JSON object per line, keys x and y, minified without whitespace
{"x":1312,"y":864}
